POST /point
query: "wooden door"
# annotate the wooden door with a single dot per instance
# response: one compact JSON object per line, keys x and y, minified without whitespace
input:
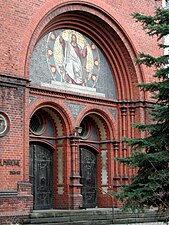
{"x":88,"y":177}
{"x":41,"y":176}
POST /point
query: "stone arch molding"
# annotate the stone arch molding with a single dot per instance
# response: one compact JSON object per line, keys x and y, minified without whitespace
{"x":66,"y":14}
{"x":61,"y":118}
{"x":104,"y":121}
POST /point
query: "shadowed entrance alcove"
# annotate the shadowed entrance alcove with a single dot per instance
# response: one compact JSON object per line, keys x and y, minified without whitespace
{"x":82,"y":58}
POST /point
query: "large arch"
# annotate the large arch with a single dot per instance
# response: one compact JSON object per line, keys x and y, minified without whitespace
{"x":99,"y":24}
{"x":101,"y":28}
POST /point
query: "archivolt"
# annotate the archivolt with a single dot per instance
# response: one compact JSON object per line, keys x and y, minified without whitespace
{"x":106,"y":32}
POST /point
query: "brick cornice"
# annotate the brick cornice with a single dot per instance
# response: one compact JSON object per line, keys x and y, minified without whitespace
{"x":84,"y":98}
{"x":13,"y":80}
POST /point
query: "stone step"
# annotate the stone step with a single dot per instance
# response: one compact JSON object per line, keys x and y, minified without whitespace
{"x":87,"y":217}
{"x":93,"y":222}
{"x":51,"y":217}
{"x":59,"y":213}
{"x":121,"y":215}
{"x":133,"y":220}
{"x":69,"y":218}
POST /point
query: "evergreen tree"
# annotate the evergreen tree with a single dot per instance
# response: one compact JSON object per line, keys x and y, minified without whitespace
{"x":150,"y":155}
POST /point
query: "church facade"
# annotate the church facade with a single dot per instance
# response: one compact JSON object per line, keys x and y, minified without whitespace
{"x":68,"y":96}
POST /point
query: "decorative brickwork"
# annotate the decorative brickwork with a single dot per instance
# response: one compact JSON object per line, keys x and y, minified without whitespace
{"x":107,"y":101}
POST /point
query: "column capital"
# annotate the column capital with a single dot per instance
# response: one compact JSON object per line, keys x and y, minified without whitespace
{"x":116,"y":145}
{"x":123,"y":111}
{"x":132,"y":111}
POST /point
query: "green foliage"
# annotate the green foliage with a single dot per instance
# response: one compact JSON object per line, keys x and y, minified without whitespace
{"x":155,"y":25}
{"x":149,"y":60}
{"x":150,"y":155}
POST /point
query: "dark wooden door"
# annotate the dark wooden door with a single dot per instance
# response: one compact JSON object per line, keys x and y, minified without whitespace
{"x":88,"y":177}
{"x":41,"y":176}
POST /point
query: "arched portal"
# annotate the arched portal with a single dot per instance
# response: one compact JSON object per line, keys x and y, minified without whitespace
{"x":96,"y":157}
{"x":81,"y":61}
{"x":45,"y":99}
{"x":47,"y":157}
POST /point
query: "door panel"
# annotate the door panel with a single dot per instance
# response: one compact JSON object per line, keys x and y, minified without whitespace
{"x":88,"y":178}
{"x":41,"y":176}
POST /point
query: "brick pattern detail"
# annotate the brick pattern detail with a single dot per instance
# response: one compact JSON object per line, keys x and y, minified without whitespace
{"x":109,"y":24}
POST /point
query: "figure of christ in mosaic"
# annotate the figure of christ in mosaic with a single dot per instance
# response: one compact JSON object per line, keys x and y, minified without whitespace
{"x":74,"y":60}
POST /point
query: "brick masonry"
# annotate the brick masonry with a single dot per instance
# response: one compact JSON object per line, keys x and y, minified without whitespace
{"x":24,"y":27}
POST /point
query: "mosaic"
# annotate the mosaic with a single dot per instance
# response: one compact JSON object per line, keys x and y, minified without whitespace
{"x":72,"y":58}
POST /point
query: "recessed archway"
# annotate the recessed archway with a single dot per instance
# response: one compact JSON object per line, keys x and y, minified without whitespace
{"x":106,"y":33}
{"x":98,"y":27}
{"x":96,"y":157}
{"x":47,"y":153}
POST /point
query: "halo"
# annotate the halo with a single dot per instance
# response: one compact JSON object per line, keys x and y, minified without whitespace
{"x":55,"y":55}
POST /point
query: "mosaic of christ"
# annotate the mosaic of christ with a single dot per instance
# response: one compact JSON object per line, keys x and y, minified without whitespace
{"x":73,"y":58}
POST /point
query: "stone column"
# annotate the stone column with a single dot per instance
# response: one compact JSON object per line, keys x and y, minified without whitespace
{"x":132,"y":119}
{"x":75,"y":186}
{"x":132,"y":115}
{"x":116,"y":178}
{"x":124,"y":147}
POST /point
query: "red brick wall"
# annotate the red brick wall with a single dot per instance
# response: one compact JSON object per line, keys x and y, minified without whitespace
{"x":12,"y":145}
{"x":19,"y":20}
{"x":14,"y":196}
{"x":22,"y":23}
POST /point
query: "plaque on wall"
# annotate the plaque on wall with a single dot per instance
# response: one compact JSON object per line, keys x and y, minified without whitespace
{"x":4,"y":124}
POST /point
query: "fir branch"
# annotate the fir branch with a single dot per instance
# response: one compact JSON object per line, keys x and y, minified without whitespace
{"x":150,"y":155}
